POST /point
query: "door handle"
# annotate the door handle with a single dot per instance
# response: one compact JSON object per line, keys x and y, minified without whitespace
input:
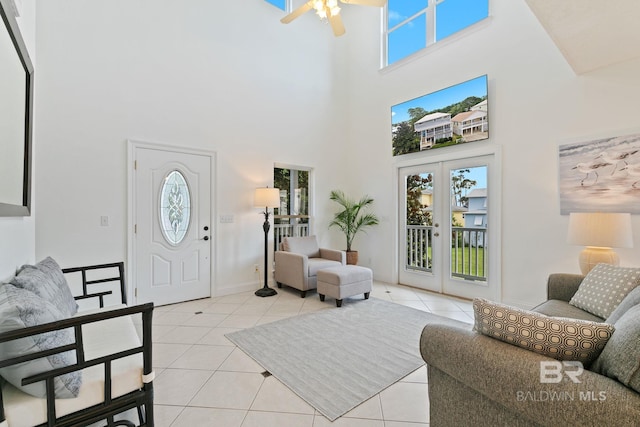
{"x":205,"y":238}
{"x":436,"y":234}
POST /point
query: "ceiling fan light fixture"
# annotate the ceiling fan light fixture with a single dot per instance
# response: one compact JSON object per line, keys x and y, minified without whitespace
{"x":319,"y":6}
{"x":333,"y":7}
{"x":326,"y":8}
{"x":329,"y":10}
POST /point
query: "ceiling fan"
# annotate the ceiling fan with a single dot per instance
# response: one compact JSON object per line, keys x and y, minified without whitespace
{"x":329,"y":9}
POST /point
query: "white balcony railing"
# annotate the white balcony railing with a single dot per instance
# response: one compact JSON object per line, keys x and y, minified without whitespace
{"x":294,"y":228}
{"x":468,"y":256}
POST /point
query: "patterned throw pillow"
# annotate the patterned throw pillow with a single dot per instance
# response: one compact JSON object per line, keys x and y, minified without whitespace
{"x":46,"y":280}
{"x":20,"y":308}
{"x":604,"y":287}
{"x":557,"y":337}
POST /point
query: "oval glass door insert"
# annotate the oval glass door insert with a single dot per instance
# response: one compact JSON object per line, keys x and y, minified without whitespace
{"x":175,"y":207}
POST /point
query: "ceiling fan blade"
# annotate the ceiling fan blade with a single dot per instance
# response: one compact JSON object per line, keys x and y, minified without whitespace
{"x":337,"y":25}
{"x":299,"y":11}
{"x":377,"y":3}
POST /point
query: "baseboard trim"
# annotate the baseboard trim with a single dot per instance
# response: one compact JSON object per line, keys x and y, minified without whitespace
{"x":237,"y":289}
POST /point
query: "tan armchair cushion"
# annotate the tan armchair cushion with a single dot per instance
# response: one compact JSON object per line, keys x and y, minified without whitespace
{"x":316,"y":264}
{"x":302,"y":245}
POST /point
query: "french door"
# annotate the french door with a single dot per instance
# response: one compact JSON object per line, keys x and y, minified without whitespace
{"x":172,"y":224}
{"x":448,"y":227}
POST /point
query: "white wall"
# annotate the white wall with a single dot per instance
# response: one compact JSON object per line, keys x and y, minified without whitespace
{"x":536,"y":103}
{"x":221,"y":76}
{"x":17,"y":234}
{"x":230,"y":78}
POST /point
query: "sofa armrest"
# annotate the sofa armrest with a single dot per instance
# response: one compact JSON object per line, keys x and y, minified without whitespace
{"x":562,"y":286}
{"x":334,"y":255}
{"x":290,"y":267}
{"x":510,"y":376}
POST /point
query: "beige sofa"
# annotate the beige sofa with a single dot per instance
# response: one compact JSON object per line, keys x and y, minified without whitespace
{"x":300,"y":258}
{"x":480,"y":381}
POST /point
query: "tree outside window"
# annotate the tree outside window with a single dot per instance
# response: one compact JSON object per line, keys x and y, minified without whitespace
{"x":292,"y":217}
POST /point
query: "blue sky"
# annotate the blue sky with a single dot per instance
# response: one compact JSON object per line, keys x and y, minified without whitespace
{"x":450,"y":16}
{"x":478,"y":174}
{"x":279,"y":3}
{"x":442,"y":98}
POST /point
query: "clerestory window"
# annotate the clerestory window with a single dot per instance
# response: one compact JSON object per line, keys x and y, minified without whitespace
{"x":280,"y":4}
{"x":413,"y":25}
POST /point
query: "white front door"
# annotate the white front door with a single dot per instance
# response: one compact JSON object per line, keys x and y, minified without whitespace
{"x":172,"y":224}
{"x":449,"y":227}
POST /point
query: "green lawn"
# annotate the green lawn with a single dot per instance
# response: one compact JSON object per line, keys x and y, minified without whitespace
{"x":473,"y":258}
{"x":468,"y":261}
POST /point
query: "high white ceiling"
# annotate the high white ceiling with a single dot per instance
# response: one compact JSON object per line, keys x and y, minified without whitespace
{"x":591,"y":34}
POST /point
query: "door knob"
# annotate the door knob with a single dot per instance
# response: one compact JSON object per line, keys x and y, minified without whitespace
{"x":436,"y":234}
{"x":205,"y":238}
{"x":206,"y":228}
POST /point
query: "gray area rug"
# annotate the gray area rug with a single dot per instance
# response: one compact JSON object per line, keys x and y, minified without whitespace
{"x":337,"y":358}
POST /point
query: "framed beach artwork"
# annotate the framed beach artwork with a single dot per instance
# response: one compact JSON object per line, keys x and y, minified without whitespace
{"x":451,"y":116}
{"x":601,"y":175}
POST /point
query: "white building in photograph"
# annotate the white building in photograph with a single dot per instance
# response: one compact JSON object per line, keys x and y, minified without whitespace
{"x":433,"y":127}
{"x":470,"y":123}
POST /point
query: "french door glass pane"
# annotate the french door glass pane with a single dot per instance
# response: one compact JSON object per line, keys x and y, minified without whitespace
{"x":469,"y":223}
{"x":419,"y":220}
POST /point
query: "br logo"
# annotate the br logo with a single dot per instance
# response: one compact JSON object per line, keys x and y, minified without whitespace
{"x":553,"y":371}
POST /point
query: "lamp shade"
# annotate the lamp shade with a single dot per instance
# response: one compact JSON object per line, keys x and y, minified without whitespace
{"x":266,"y":198}
{"x":608,"y":230}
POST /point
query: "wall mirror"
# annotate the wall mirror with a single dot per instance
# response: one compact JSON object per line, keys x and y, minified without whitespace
{"x":16,"y":99}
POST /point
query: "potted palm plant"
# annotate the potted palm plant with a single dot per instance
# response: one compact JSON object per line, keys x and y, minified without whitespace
{"x":352,"y":219}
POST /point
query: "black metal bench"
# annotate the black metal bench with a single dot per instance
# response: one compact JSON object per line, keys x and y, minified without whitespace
{"x":141,"y":399}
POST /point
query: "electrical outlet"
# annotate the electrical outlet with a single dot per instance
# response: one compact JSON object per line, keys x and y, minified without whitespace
{"x":256,"y":268}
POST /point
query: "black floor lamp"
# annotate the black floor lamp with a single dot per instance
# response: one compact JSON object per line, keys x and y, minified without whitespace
{"x":267,"y":198}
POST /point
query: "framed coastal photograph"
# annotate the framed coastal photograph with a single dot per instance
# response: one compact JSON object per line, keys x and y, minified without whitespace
{"x":451,"y":116}
{"x":600,"y":175}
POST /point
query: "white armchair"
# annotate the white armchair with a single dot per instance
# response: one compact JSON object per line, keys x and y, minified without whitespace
{"x":300,"y":258}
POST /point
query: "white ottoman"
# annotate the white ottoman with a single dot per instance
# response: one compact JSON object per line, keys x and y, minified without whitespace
{"x":344,"y":281}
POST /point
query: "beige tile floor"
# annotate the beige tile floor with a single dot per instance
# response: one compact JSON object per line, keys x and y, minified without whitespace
{"x":203,"y":379}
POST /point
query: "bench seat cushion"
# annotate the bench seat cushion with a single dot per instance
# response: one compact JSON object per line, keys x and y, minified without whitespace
{"x":100,"y":339}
